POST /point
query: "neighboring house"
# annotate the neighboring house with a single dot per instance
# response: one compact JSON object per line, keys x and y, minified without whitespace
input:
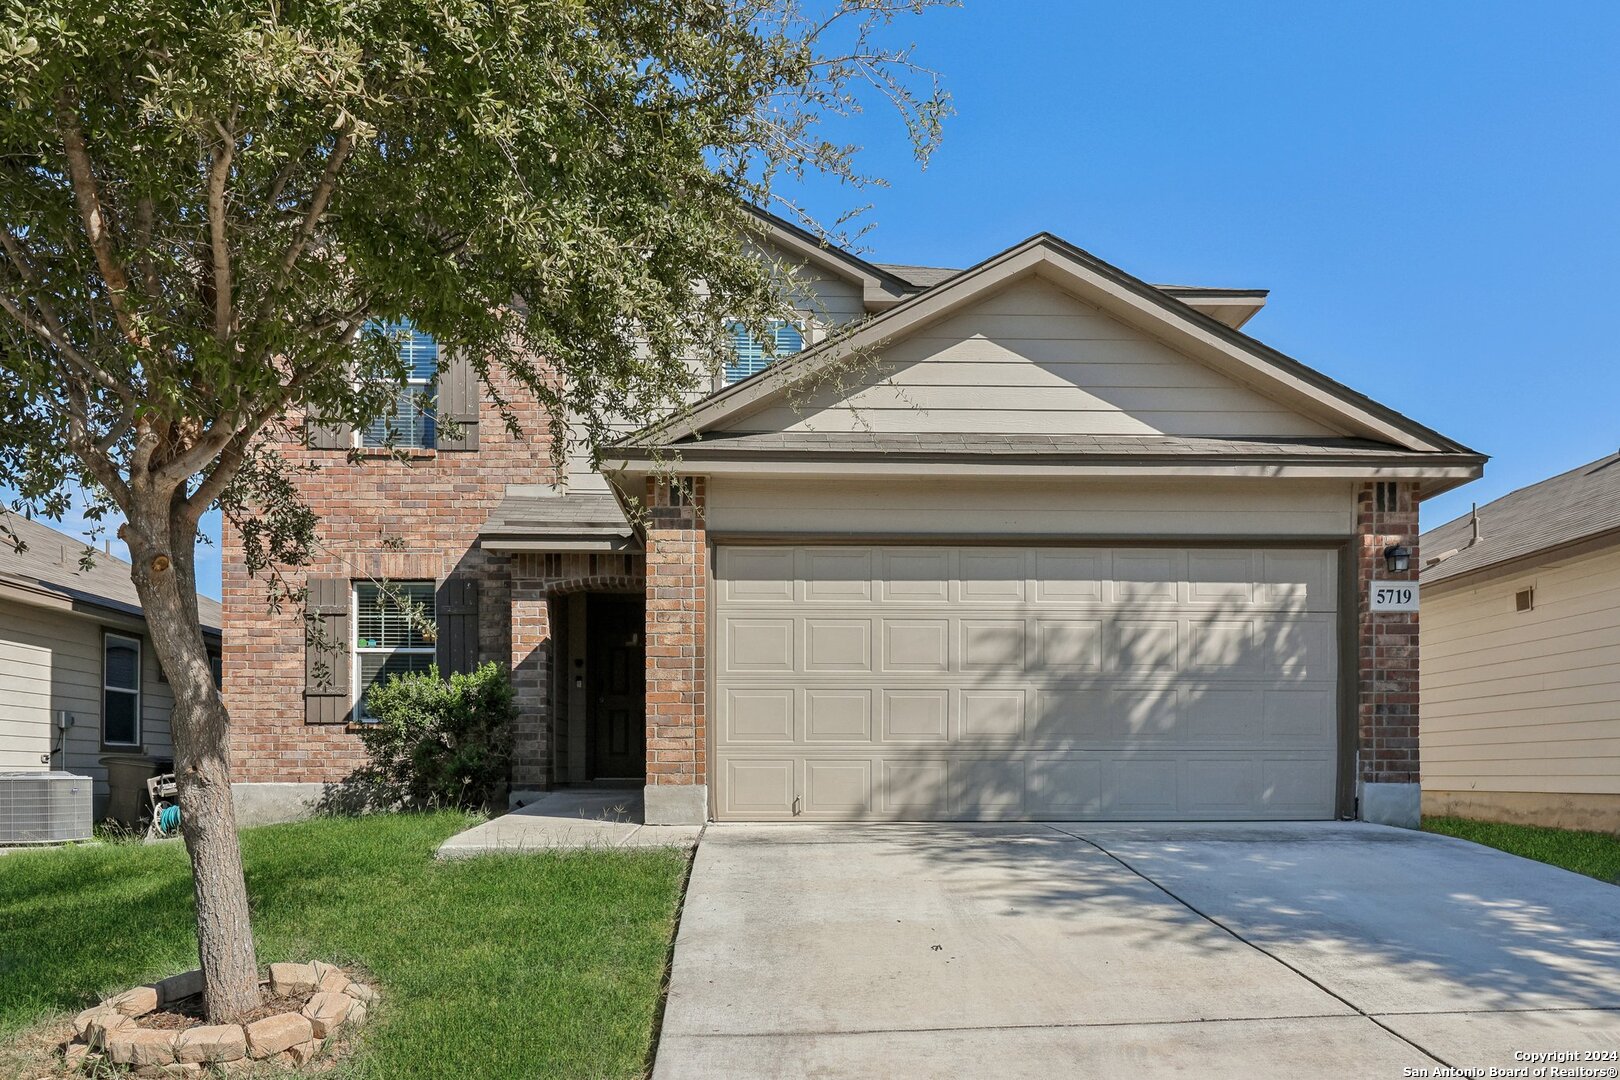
{"x":1521,"y":655}
{"x":1034,"y":539}
{"x":80,"y":684}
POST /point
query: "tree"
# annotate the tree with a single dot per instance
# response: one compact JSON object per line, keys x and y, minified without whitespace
{"x":207,"y":211}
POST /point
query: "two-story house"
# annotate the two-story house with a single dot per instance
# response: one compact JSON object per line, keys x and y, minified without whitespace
{"x":1034,"y":539}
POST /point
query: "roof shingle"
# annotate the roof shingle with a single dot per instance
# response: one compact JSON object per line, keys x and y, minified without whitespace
{"x":51,"y":561}
{"x":1576,"y":505}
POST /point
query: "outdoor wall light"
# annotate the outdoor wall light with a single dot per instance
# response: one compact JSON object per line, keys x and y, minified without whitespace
{"x":1397,"y":558}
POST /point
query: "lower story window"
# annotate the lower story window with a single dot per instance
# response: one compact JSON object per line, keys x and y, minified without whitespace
{"x":393,"y":633}
{"x":120,"y":690}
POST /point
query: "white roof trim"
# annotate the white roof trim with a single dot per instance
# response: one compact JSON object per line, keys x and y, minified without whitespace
{"x":1119,"y":294}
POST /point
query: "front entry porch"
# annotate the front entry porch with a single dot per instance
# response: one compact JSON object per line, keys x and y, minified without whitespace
{"x":579,"y":672}
{"x":590,"y":816}
{"x":608,"y":649}
{"x":598,"y":691}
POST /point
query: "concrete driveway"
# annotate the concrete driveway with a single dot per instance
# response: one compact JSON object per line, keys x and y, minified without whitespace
{"x":1131,"y":950}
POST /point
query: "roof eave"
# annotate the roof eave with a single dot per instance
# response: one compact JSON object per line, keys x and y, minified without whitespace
{"x":1191,"y":330}
{"x":1435,"y":472}
{"x":73,"y":602}
{"x":1513,"y":564}
{"x":880,"y":289}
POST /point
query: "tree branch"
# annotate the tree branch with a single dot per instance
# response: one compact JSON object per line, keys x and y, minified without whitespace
{"x":219,"y":172}
{"x":85,"y":448}
{"x":218,"y":479}
{"x":318,"y":200}
{"x":87,"y":196}
{"x":64,"y":348}
{"x":144,"y":214}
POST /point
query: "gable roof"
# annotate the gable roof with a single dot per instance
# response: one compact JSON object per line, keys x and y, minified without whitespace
{"x":1582,"y":504}
{"x":1234,"y":307}
{"x":880,"y":287}
{"x":1121,"y":296}
{"x":925,"y":277}
{"x":51,"y":565}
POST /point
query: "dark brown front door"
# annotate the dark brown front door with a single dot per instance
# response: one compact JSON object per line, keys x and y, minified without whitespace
{"x":617,"y":708}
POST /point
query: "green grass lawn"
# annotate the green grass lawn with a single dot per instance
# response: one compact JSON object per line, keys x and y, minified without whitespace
{"x":542,"y":965}
{"x":1594,"y":854}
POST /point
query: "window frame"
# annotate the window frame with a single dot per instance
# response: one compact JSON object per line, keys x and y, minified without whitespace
{"x":799,"y":324}
{"x":416,"y":387}
{"x":357,"y":712}
{"x":138,"y":692}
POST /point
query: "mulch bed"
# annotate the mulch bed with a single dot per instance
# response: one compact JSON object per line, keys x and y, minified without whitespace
{"x":189,"y":1012}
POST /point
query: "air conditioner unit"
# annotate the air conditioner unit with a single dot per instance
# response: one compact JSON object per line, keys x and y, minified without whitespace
{"x":45,"y":807}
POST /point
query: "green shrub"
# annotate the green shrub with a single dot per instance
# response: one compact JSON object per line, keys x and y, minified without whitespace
{"x":441,"y":742}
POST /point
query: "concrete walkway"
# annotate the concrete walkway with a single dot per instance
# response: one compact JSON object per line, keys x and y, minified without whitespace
{"x":1114,"y":950}
{"x":570,"y":818}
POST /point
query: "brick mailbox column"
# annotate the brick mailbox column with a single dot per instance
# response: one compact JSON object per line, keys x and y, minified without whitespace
{"x":677,"y":790}
{"x":1388,"y":778}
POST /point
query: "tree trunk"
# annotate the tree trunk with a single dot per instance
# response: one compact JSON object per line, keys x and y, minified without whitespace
{"x":162,"y":549}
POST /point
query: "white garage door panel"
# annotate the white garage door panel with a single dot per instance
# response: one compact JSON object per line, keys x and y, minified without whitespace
{"x":939,"y":683}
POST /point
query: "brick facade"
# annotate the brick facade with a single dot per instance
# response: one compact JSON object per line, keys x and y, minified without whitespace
{"x":677,"y":574}
{"x":415,"y":520}
{"x":1387,"y":642}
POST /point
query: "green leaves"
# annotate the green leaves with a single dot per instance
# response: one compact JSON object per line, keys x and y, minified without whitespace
{"x":440,"y":741}
{"x":540,"y":184}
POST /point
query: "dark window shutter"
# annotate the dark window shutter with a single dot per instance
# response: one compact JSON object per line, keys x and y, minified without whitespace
{"x":459,"y":397}
{"x":335,"y":435}
{"x":458,"y":625}
{"x":326,"y":651}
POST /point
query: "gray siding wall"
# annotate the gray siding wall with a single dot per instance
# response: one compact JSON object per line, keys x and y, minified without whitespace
{"x":51,"y":661}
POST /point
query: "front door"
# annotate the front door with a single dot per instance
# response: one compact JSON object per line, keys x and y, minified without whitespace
{"x":617,"y":705}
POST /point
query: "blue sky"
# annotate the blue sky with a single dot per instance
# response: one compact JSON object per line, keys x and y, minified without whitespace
{"x":1429,"y":190}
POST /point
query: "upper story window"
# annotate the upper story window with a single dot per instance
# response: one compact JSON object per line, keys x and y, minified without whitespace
{"x":412,"y":422}
{"x":392,"y":633}
{"x":752,"y":357}
{"x":120,"y":690}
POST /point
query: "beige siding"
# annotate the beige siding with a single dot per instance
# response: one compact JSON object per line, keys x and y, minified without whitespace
{"x":1033,"y":358}
{"x":27,"y":691}
{"x":823,"y":300}
{"x":1525,"y":701}
{"x":50,"y":661}
{"x":953,"y":506}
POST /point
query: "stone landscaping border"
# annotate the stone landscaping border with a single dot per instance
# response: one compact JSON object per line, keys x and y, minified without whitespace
{"x":111,"y":1031}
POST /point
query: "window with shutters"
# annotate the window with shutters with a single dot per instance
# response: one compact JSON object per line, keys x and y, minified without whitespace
{"x":751,"y":353}
{"x":120,"y":690}
{"x":393,"y":633}
{"x":413,"y":420}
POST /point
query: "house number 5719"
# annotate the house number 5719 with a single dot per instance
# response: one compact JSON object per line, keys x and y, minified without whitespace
{"x":1394,"y":596}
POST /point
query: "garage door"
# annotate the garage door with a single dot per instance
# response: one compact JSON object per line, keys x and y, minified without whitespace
{"x":940,"y":683}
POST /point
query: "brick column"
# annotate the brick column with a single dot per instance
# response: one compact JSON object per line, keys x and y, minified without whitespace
{"x":677,"y":790}
{"x":531,"y":674}
{"x":1388,"y":776}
